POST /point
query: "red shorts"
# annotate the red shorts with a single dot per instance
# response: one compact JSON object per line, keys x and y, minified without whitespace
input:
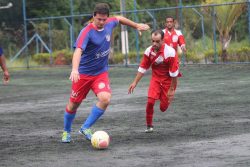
{"x":98,"y":83}
{"x":158,"y":88}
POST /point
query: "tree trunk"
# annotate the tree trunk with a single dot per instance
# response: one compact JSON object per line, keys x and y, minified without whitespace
{"x":224,"y":55}
{"x":225,"y":40}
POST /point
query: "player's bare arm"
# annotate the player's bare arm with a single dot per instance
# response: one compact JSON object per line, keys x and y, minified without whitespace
{"x":6,"y":76}
{"x":135,"y":82}
{"x":139,"y":26}
{"x":74,"y":76}
{"x":171,"y":90}
{"x":183,"y":48}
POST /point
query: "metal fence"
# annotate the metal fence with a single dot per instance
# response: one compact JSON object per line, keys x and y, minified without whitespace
{"x":50,"y":40}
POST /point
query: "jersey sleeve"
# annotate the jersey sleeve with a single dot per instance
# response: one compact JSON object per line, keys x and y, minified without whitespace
{"x":181,"y":40}
{"x":1,"y":51}
{"x":174,"y":67}
{"x":113,"y":22}
{"x":145,"y":62}
{"x":82,"y":38}
{"x":171,"y":58}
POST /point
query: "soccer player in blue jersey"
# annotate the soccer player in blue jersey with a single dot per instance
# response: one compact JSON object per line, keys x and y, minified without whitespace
{"x":90,"y":68}
{"x":6,"y":76}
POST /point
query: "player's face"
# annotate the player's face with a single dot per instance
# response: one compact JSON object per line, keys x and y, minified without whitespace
{"x":100,"y":20}
{"x":156,"y":41}
{"x":169,"y":23}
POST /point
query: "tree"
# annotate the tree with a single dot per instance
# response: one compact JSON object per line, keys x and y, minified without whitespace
{"x":226,"y":16}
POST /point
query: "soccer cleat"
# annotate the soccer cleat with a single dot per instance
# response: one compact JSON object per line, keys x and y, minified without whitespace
{"x":149,"y":129}
{"x":87,"y":133}
{"x":66,"y":137}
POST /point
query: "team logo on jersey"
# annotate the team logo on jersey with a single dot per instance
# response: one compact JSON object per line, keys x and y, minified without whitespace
{"x":101,"y":85}
{"x":159,"y":60}
{"x":175,"y":38}
{"x":108,"y":37}
{"x":74,"y":94}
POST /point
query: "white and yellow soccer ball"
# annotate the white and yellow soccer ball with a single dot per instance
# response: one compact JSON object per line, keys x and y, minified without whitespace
{"x":100,"y":140}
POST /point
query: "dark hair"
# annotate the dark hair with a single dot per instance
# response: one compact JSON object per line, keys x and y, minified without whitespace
{"x":101,"y":8}
{"x":158,"y":31}
{"x":170,"y":17}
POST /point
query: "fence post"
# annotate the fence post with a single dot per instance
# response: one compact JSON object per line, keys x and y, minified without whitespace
{"x":214,"y":35}
{"x":249,"y":19}
{"x":72,"y":24}
{"x":50,"y":42}
{"x":136,"y":36}
{"x":180,"y":22}
{"x":202,"y":29}
{"x":25,"y":32}
{"x":124,"y":33}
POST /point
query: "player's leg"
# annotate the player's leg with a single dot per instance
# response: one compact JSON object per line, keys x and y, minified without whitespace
{"x":153,"y":94}
{"x":149,"y":114}
{"x":164,"y":102}
{"x":69,"y":116}
{"x":78,"y":93}
{"x":102,"y":90}
{"x":98,"y":109}
{"x":164,"y":105}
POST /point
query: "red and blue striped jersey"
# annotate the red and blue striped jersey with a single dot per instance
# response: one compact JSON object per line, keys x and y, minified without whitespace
{"x":96,"y":47}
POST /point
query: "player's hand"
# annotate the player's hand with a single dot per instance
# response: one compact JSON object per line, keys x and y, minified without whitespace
{"x":170,"y":95}
{"x":183,"y":48}
{"x":131,"y":88}
{"x":142,"y":27}
{"x":74,"y":76}
{"x":6,"y":77}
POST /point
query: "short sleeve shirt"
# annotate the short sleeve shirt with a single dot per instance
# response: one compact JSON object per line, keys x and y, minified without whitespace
{"x":96,"y":47}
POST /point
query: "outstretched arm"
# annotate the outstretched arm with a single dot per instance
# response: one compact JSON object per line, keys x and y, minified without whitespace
{"x":135,"y":82}
{"x":139,"y":26}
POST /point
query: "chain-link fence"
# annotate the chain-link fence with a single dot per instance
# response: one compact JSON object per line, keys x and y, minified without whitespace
{"x":214,"y":33}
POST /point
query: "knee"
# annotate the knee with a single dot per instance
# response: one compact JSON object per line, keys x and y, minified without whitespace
{"x":105,"y":101}
{"x":72,"y":107}
{"x":151,"y":101}
{"x":164,"y":107}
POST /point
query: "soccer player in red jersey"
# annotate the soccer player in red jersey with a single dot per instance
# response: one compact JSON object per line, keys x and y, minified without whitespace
{"x":165,"y":70}
{"x":90,"y":68}
{"x":173,"y":37}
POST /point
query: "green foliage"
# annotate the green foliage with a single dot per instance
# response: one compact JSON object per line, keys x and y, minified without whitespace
{"x":42,"y":58}
{"x":45,"y":8}
{"x":192,"y":57}
{"x":241,"y":54}
{"x":63,"y":57}
{"x":60,"y":57}
{"x":119,"y":58}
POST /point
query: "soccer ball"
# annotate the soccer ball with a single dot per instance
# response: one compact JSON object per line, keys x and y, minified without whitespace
{"x":100,"y":140}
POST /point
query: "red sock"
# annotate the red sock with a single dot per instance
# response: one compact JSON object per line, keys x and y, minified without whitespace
{"x":150,"y":111}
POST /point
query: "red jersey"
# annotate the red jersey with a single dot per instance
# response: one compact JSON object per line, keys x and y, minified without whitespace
{"x":163,"y":63}
{"x":174,"y":38}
